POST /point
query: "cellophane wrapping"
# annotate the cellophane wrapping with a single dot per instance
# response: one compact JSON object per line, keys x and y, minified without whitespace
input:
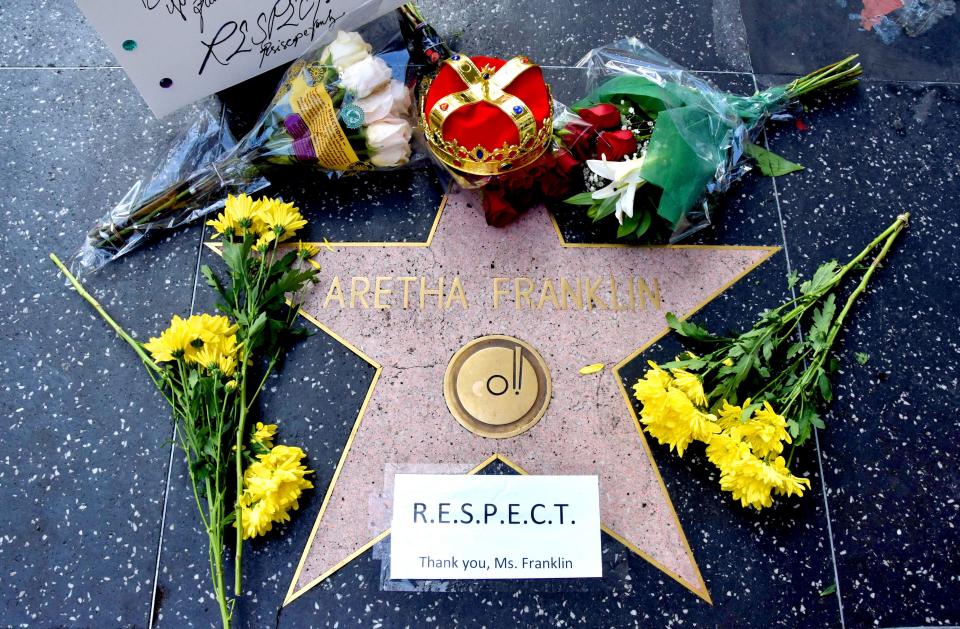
{"x":362,"y":120}
{"x":692,"y":134}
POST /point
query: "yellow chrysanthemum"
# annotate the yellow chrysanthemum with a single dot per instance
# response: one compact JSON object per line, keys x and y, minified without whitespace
{"x":728,"y":415}
{"x":651,"y":390}
{"x":245,"y":212}
{"x":200,"y":338}
{"x":306,"y":251}
{"x":177,"y":341}
{"x":765,"y":432}
{"x":658,"y":375}
{"x":751,"y":481}
{"x":264,"y":242}
{"x":669,"y":414}
{"x":677,"y":423}
{"x":691,"y":386}
{"x":213,"y":326}
{"x":240,"y":216}
{"x":255,"y":517}
{"x":264,"y":434}
{"x":789,"y":484}
{"x":724,"y":449}
{"x":281,"y":219}
{"x":223,"y":225}
{"x":220,"y":355}
{"x":271,"y":488}
{"x":703,"y":426}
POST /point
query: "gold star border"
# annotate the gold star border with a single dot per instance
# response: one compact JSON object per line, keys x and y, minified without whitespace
{"x":293,"y":593}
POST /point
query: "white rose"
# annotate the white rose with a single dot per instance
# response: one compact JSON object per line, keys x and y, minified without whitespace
{"x":389,"y":141}
{"x":392,"y":99}
{"x":346,"y":50}
{"x":401,"y":99}
{"x":365,"y":76}
{"x":376,"y":106}
{"x":395,"y":156}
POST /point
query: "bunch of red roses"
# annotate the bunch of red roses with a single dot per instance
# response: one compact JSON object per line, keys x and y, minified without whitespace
{"x":595,"y":133}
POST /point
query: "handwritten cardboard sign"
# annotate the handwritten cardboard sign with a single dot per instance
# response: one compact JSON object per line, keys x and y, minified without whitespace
{"x":178,"y":51}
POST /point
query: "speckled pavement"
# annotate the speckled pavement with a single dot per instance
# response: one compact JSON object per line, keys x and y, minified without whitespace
{"x":97,"y":528}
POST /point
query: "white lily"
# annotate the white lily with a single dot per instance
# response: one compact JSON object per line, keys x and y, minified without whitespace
{"x":624,"y":180}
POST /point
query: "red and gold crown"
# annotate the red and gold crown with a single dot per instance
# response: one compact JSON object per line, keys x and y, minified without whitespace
{"x":487,"y":116}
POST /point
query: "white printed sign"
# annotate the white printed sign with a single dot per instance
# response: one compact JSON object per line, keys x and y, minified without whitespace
{"x":495,"y":527}
{"x":178,"y":51}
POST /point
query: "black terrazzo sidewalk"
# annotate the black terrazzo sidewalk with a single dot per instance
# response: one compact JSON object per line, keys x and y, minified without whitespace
{"x":97,"y":529}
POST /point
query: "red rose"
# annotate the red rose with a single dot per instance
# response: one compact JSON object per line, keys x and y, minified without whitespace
{"x":555,"y":185}
{"x":557,"y":173}
{"x":579,"y":137}
{"x":603,"y":116}
{"x":616,"y":145}
{"x":519,"y":180}
{"x":566,"y":162}
{"x":496,"y":209}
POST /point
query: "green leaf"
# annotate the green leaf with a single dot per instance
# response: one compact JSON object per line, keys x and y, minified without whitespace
{"x":793,"y":427}
{"x":689,"y":329}
{"x":646,"y":219}
{"x":235,"y":256}
{"x":584,"y":198}
{"x":830,"y":589}
{"x":816,"y":421}
{"x":821,"y":279}
{"x":795,"y":349}
{"x":823,"y":382}
{"x":628,"y":226}
{"x":771,"y":164}
{"x":747,"y":412}
{"x":822,"y":318}
{"x":767,"y":349}
{"x":861,"y":357}
{"x":257,"y":325}
{"x":792,"y":278}
{"x":604,"y":209}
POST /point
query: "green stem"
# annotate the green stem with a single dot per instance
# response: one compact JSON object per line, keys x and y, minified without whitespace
{"x":889,"y":236}
{"x":241,"y":427}
{"x":263,"y":381}
{"x":90,"y":299}
{"x":215,"y":535}
{"x":893,"y":231}
{"x":783,"y":374}
{"x":836,"y":73}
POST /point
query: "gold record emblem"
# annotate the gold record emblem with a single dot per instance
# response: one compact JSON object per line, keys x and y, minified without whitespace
{"x":497,"y":386}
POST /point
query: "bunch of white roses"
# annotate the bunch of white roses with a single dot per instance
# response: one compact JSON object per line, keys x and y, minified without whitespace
{"x":385,"y":102}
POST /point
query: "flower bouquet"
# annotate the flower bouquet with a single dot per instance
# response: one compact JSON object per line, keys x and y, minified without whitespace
{"x":651,"y":144}
{"x":658,"y":144}
{"x":749,"y":395}
{"x":211,"y":368}
{"x":339,"y":107}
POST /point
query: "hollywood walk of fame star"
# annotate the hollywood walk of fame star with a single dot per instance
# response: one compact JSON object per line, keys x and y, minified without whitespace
{"x":589,"y":426}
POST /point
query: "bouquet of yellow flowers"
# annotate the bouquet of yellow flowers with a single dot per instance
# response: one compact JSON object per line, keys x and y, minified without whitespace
{"x":753,"y":393}
{"x":211,"y":368}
